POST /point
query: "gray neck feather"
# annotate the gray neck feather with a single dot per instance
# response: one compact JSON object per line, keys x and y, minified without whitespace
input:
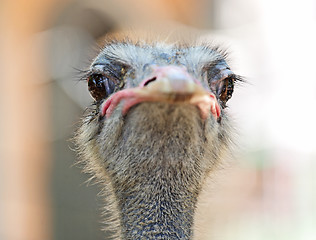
{"x":157,"y":171}
{"x":164,"y":210}
{"x":156,"y":164}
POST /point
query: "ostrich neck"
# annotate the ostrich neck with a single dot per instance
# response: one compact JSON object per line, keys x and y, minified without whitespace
{"x":157,"y":168}
{"x":158,"y":209}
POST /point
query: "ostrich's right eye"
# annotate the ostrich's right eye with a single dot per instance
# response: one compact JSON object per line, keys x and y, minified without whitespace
{"x":101,"y":86}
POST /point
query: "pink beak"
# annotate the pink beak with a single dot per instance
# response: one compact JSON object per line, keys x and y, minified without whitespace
{"x":170,"y":84}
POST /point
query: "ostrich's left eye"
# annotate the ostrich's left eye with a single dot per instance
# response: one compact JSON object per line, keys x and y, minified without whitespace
{"x":225,"y":89}
{"x":101,"y":86}
{"x":221,"y":81}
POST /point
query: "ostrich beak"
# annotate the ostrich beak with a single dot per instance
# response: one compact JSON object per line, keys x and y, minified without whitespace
{"x":170,"y":84}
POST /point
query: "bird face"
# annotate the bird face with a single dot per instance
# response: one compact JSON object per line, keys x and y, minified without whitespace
{"x":160,"y":110}
{"x":127,"y":75}
{"x":158,"y":128}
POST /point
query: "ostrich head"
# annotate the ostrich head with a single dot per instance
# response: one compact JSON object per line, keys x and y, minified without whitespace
{"x":157,"y":128}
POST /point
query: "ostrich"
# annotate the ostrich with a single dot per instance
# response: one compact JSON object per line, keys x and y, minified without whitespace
{"x":157,"y":129}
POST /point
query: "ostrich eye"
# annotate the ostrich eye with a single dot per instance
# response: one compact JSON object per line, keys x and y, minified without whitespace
{"x":221,"y":81}
{"x":225,"y":89}
{"x":101,"y":86}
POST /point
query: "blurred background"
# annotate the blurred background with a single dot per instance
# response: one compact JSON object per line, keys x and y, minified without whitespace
{"x":270,"y":191}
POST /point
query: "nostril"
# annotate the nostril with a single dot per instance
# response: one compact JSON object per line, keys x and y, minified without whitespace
{"x":149,"y":81}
